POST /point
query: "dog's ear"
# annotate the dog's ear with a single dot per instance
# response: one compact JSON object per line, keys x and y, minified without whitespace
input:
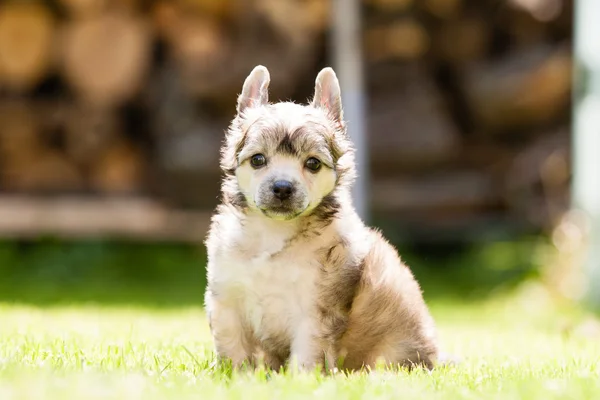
{"x":328,"y":94}
{"x":256,"y":89}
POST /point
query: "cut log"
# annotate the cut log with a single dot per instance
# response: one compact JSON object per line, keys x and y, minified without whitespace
{"x":543,"y":11}
{"x":165,"y":15}
{"x":443,"y":8}
{"x":106,"y":57}
{"x":294,"y":18}
{"x":26,"y":44}
{"x":88,"y":133}
{"x":562,"y":27}
{"x":279,"y":35}
{"x":527,"y":89}
{"x":181,"y":133}
{"x":462,"y":41}
{"x":92,"y":8}
{"x":198,"y":43}
{"x":404,"y":39}
{"x":390,"y":5}
{"x":19,"y":133}
{"x":50,"y":171}
{"x":375,"y":44}
{"x":409,"y":126}
{"x":457,"y":190}
{"x":537,"y":179}
{"x":320,"y":14}
{"x":83,"y":8}
{"x":119,"y":170}
{"x":220,"y":9}
{"x":525,"y":29}
{"x":483,"y":155}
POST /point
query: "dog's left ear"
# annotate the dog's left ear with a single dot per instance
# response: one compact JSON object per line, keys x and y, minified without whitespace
{"x":255,"y":92}
{"x":328,"y":94}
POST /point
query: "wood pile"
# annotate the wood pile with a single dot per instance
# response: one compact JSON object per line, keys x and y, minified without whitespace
{"x":468,"y":99}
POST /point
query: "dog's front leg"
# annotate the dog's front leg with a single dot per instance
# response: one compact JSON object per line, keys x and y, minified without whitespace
{"x":310,"y":348}
{"x":232,"y":341}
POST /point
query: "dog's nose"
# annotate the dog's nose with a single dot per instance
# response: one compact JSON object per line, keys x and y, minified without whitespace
{"x":283,"y":189}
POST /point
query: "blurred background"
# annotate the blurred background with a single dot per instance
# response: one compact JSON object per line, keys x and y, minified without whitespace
{"x":112,"y":113}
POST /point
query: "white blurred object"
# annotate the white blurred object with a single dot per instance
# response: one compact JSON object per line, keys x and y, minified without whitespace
{"x":348,"y":64}
{"x":586,"y":131}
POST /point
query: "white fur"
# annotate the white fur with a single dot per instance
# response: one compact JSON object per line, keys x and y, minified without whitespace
{"x":275,"y":295}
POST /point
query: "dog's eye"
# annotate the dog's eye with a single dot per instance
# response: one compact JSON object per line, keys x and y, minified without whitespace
{"x":258,"y":160}
{"x":313,"y":164}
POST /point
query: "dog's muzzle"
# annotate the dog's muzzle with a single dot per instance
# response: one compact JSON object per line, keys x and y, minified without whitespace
{"x":281,"y":199}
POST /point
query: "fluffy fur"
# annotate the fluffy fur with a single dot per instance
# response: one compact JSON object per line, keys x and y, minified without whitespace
{"x":300,"y":277}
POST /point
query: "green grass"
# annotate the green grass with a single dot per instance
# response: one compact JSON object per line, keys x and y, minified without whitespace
{"x":513,"y":347}
{"x":105,"y":320}
{"x":48,"y":272}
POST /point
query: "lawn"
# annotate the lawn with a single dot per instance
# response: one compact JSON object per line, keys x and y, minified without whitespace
{"x":513,"y":346}
{"x":99,"y":320}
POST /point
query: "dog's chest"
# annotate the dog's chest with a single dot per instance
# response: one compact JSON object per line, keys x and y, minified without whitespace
{"x":272,"y":289}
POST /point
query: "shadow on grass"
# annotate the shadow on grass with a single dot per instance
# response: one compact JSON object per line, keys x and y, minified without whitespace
{"x":48,"y":272}
{"x":472,"y":272}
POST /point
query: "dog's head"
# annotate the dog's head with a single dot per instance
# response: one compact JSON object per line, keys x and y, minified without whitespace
{"x":284,"y":159}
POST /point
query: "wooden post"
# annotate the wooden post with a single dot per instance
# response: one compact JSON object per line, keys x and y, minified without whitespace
{"x":347,"y":55}
{"x":586,"y":133}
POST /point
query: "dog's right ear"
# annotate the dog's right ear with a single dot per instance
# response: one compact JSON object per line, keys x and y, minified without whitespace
{"x":327,"y":94}
{"x":256,"y":89}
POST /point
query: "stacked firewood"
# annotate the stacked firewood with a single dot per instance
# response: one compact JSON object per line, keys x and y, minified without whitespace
{"x":469,"y":111}
{"x":468,"y":99}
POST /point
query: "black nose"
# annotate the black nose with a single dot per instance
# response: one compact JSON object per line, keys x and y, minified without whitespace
{"x":283,"y":189}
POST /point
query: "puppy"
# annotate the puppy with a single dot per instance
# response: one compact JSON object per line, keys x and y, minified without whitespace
{"x":293,"y":272}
